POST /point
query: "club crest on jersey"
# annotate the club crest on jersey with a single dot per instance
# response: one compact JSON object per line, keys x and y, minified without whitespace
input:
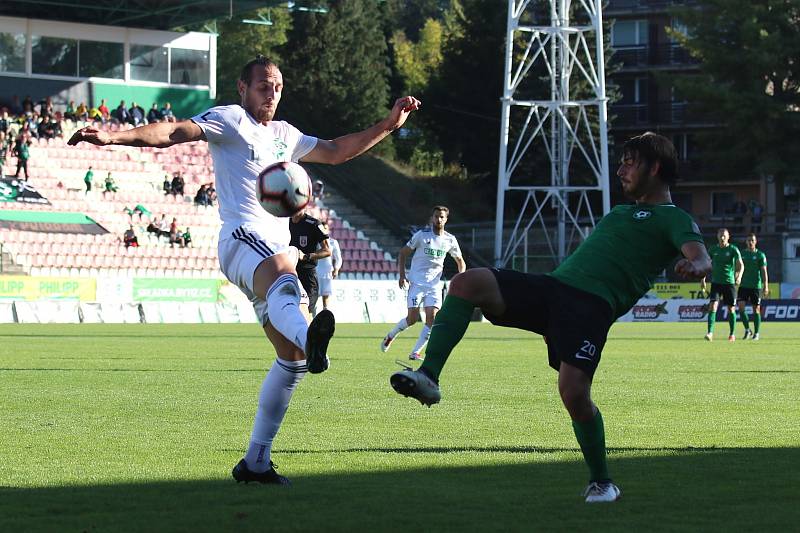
{"x":642,"y":214}
{"x":303,"y":240}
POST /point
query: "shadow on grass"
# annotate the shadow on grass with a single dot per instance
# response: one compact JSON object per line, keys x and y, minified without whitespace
{"x":708,"y":490}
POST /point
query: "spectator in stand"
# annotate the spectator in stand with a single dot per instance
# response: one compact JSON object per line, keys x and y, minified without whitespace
{"x":167,"y":185}
{"x":129,"y":238}
{"x":178,"y":184}
{"x":136,"y":114}
{"x":22,"y":151}
{"x":756,"y":211}
{"x":212,"y":193}
{"x":201,"y":198}
{"x":30,"y":125}
{"x":166,"y":113}
{"x":5,"y":121}
{"x":154,"y":115}
{"x":82,"y":112}
{"x":95,"y":115}
{"x":138,"y":210}
{"x":50,"y":128}
{"x":87,"y":179}
{"x":155,"y":227}
{"x":3,"y":152}
{"x":70,"y":111}
{"x":41,"y":126}
{"x":27,"y":105}
{"x":104,"y":111}
{"x":163,"y":226}
{"x":46,"y":107}
{"x":175,"y":235}
{"x":187,"y":238}
{"x":110,"y":185}
{"x":121,"y":113}
{"x":16,"y":107}
{"x":318,"y":191}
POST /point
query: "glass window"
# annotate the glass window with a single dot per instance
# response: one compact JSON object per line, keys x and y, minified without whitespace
{"x":629,"y":33}
{"x":189,"y":67}
{"x":54,"y":55}
{"x":12,"y":52}
{"x":149,"y":63}
{"x":103,"y":60}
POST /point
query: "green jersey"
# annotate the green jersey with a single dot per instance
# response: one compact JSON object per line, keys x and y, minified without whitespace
{"x":753,"y":261}
{"x":88,"y":177}
{"x":630,"y":246}
{"x":723,"y":263}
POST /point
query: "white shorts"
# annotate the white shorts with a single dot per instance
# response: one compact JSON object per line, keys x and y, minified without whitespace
{"x":425,"y":296}
{"x":240,"y":253}
{"x":325,"y":286}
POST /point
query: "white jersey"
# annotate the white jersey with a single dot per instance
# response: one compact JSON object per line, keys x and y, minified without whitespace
{"x":241,"y":148}
{"x":427,"y":262}
{"x":327,"y":265}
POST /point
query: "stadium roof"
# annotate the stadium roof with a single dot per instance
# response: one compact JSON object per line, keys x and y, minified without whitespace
{"x":150,"y":14}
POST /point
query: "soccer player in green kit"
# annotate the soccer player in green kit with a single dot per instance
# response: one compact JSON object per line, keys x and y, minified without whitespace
{"x":575,"y":305}
{"x":726,"y":274}
{"x":754,"y":280}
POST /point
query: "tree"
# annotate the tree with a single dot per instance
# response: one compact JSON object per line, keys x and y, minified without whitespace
{"x":416,"y":62}
{"x":239,"y":42}
{"x":336,"y":70}
{"x":749,"y":84}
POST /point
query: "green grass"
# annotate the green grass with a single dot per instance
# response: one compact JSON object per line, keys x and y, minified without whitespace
{"x":135,"y":428}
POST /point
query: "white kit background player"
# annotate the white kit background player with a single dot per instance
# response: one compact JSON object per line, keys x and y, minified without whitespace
{"x":328,"y":268}
{"x":429,"y":246}
{"x":253,"y":245}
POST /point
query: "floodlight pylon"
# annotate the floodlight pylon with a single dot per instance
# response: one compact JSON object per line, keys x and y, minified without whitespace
{"x":568,"y":132}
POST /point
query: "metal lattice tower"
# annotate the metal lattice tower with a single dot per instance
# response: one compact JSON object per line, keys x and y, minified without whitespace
{"x":553,"y":48}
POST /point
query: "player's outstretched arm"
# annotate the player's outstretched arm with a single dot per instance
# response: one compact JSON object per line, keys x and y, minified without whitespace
{"x":349,"y":146}
{"x":157,"y":135}
{"x":696,"y":264}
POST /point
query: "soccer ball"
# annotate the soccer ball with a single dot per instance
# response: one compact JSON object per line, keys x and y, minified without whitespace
{"x":283,"y":189}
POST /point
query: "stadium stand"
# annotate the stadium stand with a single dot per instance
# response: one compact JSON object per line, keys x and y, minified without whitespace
{"x":57,"y":173}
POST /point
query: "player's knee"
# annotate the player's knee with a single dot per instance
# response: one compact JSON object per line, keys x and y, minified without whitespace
{"x":467,"y":284}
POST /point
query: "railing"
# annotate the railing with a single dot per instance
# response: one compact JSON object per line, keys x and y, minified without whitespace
{"x":664,"y":113}
{"x":647,"y":56}
{"x":626,"y":6}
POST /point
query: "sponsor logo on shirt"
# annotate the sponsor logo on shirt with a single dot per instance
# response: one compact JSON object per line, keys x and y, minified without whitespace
{"x":647,"y":312}
{"x":433,"y":252}
{"x":303,"y":240}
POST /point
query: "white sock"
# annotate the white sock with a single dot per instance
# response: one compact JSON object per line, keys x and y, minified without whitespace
{"x":400,"y":326}
{"x":424,"y":335}
{"x":273,"y":400}
{"x":283,"y":309}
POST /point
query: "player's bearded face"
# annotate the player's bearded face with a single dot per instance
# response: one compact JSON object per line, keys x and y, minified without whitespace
{"x":262,"y":95}
{"x":634,"y":177}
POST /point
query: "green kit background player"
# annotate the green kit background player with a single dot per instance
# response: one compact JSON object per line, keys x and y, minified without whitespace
{"x":578,"y":302}
{"x":726,"y":274}
{"x":754,"y":280}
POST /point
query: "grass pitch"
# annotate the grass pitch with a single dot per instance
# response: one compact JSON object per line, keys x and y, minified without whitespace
{"x":136,"y":428}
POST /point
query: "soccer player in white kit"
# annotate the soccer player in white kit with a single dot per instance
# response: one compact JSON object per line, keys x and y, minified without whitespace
{"x":429,"y":246}
{"x":328,"y":268}
{"x":254,"y":250}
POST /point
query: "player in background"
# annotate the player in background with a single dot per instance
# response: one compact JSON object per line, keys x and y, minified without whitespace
{"x":725,"y":277}
{"x":328,"y":268}
{"x":254,"y":250}
{"x":429,"y":246}
{"x":576,"y":304}
{"x":310,"y":237}
{"x":754,"y":280}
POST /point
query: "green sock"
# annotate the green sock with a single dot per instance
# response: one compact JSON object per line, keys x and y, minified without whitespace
{"x":732,"y":321}
{"x":757,"y":320}
{"x":745,"y":319}
{"x":592,"y":438}
{"x":712,"y":317}
{"x":448,"y":329}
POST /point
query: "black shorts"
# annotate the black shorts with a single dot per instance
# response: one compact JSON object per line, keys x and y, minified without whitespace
{"x":726,"y":291}
{"x":749,"y":295}
{"x":575,"y":323}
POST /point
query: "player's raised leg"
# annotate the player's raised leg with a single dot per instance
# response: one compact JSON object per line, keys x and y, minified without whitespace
{"x":473,"y":288}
